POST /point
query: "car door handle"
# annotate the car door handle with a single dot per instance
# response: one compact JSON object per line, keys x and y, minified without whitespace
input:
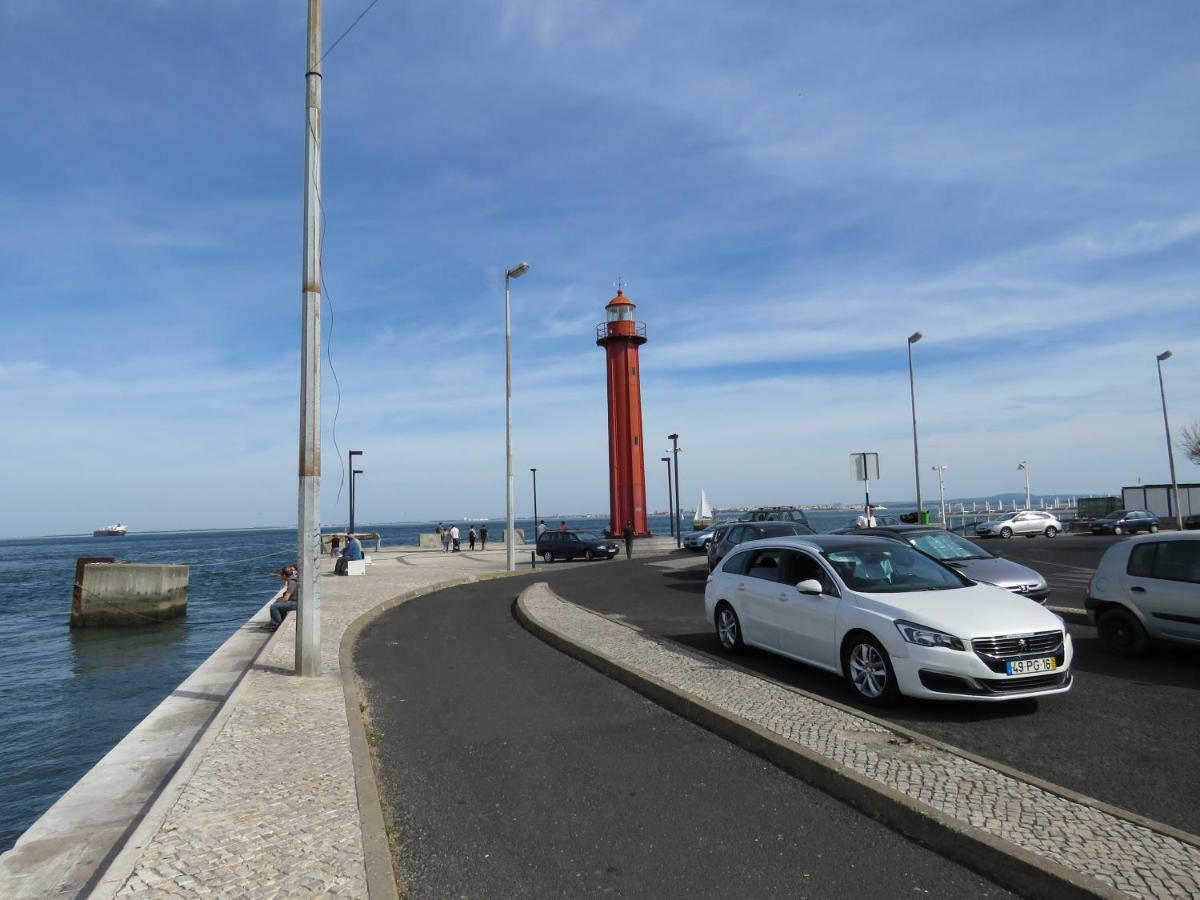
{"x":1138,"y":590}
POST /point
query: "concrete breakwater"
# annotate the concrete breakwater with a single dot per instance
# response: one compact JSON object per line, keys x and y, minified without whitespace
{"x":117,"y":593}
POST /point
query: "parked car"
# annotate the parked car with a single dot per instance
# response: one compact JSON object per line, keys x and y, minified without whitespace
{"x":554,"y":545}
{"x":1145,"y":589}
{"x":700,"y":539}
{"x":740,"y":532}
{"x":970,"y":559}
{"x":1028,"y":522}
{"x":777,"y":514}
{"x":1126,"y":521}
{"x":1190,"y":522}
{"x":891,"y":620}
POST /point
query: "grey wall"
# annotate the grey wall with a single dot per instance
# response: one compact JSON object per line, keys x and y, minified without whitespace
{"x":130,"y":594}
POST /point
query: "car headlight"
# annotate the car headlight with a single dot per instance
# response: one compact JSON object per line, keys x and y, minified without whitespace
{"x":928,"y":637}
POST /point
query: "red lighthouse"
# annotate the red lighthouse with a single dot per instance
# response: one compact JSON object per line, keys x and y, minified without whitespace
{"x":620,"y":335}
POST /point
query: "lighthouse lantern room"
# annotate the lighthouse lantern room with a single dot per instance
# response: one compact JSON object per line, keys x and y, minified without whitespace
{"x":620,"y":334}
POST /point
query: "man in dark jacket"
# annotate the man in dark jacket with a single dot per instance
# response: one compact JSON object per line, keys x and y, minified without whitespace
{"x":628,"y":535}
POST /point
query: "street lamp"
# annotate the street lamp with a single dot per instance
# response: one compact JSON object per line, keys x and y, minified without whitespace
{"x":510,"y":549}
{"x":912,"y":393}
{"x":678,"y":514}
{"x":1163,"y":357}
{"x":535,"y":518}
{"x":670,"y":500}
{"x":353,"y":472}
{"x":1024,"y":467}
{"x":350,"y":466}
{"x":941,"y":490}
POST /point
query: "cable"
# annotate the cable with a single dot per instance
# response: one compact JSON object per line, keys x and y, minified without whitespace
{"x":348,"y":30}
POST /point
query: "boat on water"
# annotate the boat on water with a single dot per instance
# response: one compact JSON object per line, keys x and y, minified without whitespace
{"x":704,"y":513}
{"x":110,"y":531}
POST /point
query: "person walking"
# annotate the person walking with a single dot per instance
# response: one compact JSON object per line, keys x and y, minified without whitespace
{"x":541,"y":528}
{"x":445,"y":540}
{"x":867,"y":519}
{"x":628,"y":535}
{"x":562,"y":526}
{"x":471,"y":535}
{"x":482,"y":537}
{"x":454,"y":537}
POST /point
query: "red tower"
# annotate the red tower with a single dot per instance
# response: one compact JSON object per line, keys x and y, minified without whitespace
{"x":620,"y":336}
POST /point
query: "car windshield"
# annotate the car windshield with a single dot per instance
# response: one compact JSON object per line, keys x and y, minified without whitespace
{"x":586,"y":536}
{"x":892,"y":570}
{"x":946,"y":546}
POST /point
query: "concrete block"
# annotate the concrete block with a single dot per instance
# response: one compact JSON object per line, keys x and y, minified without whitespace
{"x":129,"y":594}
{"x":356,"y":567}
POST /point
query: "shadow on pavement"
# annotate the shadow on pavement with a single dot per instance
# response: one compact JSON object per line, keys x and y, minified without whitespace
{"x":1170,"y":665}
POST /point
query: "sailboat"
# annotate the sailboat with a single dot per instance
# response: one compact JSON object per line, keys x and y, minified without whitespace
{"x":704,"y":512}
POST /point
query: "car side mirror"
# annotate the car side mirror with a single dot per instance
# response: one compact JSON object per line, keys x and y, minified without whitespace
{"x":809,"y":586}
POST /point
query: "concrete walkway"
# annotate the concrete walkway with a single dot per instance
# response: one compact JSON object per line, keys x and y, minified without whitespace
{"x":1035,"y":836}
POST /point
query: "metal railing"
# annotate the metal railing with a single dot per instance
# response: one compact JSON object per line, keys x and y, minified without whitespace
{"x":620,"y":328}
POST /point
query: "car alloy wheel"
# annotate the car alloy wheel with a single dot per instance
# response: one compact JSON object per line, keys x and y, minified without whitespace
{"x":1154,"y":529}
{"x":589,"y":556}
{"x":1118,"y":530}
{"x":548,"y":556}
{"x":1121,"y":632}
{"x":729,"y":629}
{"x":869,"y":671}
{"x":1051,"y":531}
{"x":1006,"y":532}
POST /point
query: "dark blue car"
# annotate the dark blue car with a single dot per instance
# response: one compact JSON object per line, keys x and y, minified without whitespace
{"x":554,"y":545}
{"x":1126,"y":521}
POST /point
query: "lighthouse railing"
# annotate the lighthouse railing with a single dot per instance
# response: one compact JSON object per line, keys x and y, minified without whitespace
{"x":620,"y":328}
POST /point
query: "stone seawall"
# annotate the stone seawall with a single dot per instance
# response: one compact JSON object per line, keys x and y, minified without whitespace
{"x":129,"y":594}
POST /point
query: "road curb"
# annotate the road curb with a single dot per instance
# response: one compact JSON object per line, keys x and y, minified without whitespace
{"x":1005,"y":863}
{"x":384,"y":881}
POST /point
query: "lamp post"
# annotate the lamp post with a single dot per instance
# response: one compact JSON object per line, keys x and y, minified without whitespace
{"x":353,"y":472}
{"x":510,"y":549}
{"x":678,"y":514}
{"x":670,"y":498}
{"x":912,"y":393}
{"x":941,"y":491}
{"x":1163,"y":357}
{"x":1024,"y":467}
{"x":350,"y":464}
{"x":535,"y":518}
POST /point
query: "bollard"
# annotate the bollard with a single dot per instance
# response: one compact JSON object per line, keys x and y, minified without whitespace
{"x":533,"y":558}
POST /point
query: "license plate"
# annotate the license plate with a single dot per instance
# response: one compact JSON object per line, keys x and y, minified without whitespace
{"x":1030,"y":666}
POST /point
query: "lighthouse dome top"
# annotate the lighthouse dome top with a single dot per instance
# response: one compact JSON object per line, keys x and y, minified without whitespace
{"x":620,"y":300}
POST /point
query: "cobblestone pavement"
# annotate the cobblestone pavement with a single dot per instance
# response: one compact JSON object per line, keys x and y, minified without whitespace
{"x":1118,"y":852}
{"x":271,"y":810}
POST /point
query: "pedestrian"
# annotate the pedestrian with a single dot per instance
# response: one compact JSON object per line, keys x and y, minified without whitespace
{"x":867,"y":519}
{"x":352,"y":552}
{"x":471,"y":535}
{"x":541,"y":528}
{"x":438,"y":531}
{"x":562,"y":526}
{"x":628,"y":535}
{"x":454,"y":537}
{"x":334,"y":545}
{"x":445,"y":540}
{"x":482,"y":537}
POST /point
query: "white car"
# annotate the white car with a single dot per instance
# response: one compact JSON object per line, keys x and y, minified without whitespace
{"x":1027,"y":522}
{"x":888,"y":618}
{"x":1147,"y":588}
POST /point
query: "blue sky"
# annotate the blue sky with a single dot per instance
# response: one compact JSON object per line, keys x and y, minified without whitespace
{"x":788,"y":190}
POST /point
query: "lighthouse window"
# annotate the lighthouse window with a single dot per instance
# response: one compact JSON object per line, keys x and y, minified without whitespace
{"x":634,"y":370}
{"x":635,"y":440}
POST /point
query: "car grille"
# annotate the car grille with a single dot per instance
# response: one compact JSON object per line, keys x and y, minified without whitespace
{"x":1032,"y":683}
{"x":995,"y":650}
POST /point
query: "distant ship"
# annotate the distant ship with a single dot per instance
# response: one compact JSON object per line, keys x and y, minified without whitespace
{"x":110,"y":531}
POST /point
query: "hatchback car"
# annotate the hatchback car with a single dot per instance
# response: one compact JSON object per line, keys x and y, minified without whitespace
{"x":1126,"y":521}
{"x":554,"y":545}
{"x":970,"y":559}
{"x":889,"y":619}
{"x":740,"y":532}
{"x":777,"y":514}
{"x":1147,"y":588}
{"x":1027,"y":522}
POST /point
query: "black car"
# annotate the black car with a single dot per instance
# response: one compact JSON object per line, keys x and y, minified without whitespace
{"x":1126,"y":521}
{"x":554,"y":545}
{"x":739,"y":532}
{"x":777,"y":514}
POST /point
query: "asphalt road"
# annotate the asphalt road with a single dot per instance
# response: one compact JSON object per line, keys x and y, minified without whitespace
{"x":510,"y":769}
{"x":1127,"y":733}
{"x":1067,"y":561}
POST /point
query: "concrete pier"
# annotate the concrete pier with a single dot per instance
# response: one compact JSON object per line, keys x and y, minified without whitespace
{"x":116,"y":593}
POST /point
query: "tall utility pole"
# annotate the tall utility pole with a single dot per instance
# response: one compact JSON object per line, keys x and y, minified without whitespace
{"x":1165,"y":355}
{"x":912,"y":393}
{"x":308,"y":538}
{"x":350,"y":463}
{"x":674,"y":439}
{"x":670,"y":496}
{"x":535,"y":518}
{"x":510,"y":537}
{"x":1024,"y":467}
{"x":941,"y":491}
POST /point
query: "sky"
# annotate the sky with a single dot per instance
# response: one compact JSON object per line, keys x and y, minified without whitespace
{"x":787,"y":191}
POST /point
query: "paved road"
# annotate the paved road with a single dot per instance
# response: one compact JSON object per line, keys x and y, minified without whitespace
{"x":510,"y":769}
{"x":1127,"y":733}
{"x":1067,"y":561}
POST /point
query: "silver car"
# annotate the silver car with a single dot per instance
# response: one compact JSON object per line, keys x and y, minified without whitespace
{"x":699,"y":540}
{"x":1027,"y":522}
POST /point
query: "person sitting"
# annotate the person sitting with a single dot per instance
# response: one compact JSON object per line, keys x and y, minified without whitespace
{"x":285,"y":601}
{"x":352,"y":552}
